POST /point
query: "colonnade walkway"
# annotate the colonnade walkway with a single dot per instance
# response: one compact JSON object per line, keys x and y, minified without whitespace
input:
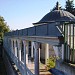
{"x":2,"y":67}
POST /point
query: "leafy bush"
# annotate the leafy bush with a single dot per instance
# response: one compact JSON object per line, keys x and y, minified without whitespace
{"x":51,"y":62}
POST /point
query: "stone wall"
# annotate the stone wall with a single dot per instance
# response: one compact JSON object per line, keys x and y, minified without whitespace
{"x":66,"y":68}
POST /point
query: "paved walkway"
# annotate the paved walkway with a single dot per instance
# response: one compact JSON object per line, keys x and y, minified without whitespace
{"x":2,"y":67}
{"x":42,"y":69}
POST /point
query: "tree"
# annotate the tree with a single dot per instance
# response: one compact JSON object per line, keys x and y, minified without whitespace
{"x":70,"y":6}
{"x":3,"y":28}
{"x":57,"y":7}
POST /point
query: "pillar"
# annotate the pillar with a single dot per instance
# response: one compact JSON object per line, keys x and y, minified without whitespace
{"x":24,"y":43}
{"x":56,"y":50}
{"x":46,"y":52}
{"x":15,"y":48}
{"x":11,"y":48}
{"x":39,"y":54}
{"x":11,"y":45}
{"x":27,"y":48}
{"x":36,"y":47}
{"x":16,"y":51}
{"x":39,"y":51}
{"x":32,"y":54}
{"x":62,"y":51}
{"x":68,"y":52}
{"x":19,"y":50}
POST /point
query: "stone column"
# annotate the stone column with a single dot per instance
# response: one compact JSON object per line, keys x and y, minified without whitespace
{"x":32,"y":44}
{"x":27,"y":47}
{"x":62,"y":51}
{"x":46,"y":52}
{"x":39,"y":54}
{"x":11,"y":45}
{"x":36,"y":47}
{"x":15,"y":48}
{"x":39,"y":51}
{"x":24,"y":43}
{"x":19,"y":50}
{"x":56,"y":51}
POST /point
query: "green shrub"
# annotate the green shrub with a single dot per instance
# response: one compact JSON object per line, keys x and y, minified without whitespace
{"x":51,"y":62}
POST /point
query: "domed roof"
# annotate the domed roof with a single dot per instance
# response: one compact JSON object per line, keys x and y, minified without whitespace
{"x":57,"y":15}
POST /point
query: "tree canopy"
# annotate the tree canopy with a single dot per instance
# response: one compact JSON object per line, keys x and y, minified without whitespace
{"x":3,"y":28}
{"x":70,"y":6}
{"x":57,"y":6}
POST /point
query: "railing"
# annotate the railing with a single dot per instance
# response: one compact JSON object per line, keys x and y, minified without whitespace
{"x":21,"y":66}
{"x":49,"y":30}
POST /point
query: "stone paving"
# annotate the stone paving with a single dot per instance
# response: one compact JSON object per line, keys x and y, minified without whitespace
{"x":42,"y":69}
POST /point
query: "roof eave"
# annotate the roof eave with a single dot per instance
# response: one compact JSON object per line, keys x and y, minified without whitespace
{"x":64,"y":21}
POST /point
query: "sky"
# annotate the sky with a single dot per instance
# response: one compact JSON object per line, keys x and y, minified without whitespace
{"x":20,"y":14}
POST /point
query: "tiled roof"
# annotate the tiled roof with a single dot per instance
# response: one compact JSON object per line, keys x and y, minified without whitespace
{"x":57,"y":15}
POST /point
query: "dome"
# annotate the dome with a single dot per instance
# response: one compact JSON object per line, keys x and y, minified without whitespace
{"x":57,"y":15}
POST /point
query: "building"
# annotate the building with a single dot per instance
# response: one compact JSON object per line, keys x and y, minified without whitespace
{"x":53,"y":35}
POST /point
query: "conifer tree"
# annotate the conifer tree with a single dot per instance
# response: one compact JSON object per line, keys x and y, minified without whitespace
{"x":69,"y":6}
{"x":57,"y":6}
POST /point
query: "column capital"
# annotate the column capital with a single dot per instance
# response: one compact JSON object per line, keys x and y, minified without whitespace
{"x":24,"y":42}
{"x":37,"y":44}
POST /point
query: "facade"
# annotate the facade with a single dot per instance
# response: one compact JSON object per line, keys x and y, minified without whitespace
{"x":64,"y":27}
